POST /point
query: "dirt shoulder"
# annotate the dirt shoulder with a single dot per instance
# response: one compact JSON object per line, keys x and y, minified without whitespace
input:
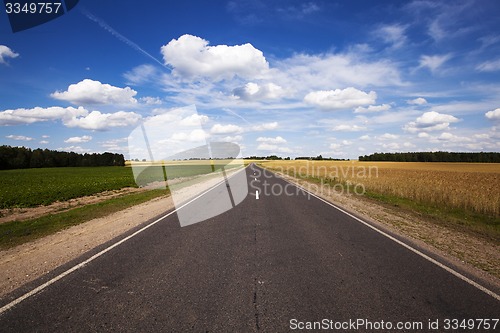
{"x":472,"y":254}
{"x":29,"y":261}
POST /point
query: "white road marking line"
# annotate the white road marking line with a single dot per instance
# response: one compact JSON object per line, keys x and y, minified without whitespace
{"x":423,"y":255}
{"x":257,"y":194}
{"x":97,"y":255}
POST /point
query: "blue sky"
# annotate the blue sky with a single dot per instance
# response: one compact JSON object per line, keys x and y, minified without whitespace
{"x":292,"y":78}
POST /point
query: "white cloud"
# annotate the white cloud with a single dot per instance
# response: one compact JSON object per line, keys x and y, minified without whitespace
{"x":340,"y":98}
{"x":151,"y":100}
{"x":349,"y":128}
{"x":273,"y":148}
{"x":449,"y":137}
{"x":6,"y":52}
{"x":493,"y":115}
{"x":388,"y":136}
{"x":94,"y":92}
{"x":423,"y":135}
{"x":235,"y":138}
{"x":225,"y":129}
{"x":265,"y":126}
{"x":276,"y":140}
{"x":191,"y":56}
{"x":19,"y":137}
{"x":38,"y":114}
{"x":372,"y":108}
{"x":273,"y":144}
{"x":489,"y":66}
{"x":430,"y":121}
{"x":194,"y":120}
{"x":253,"y":91}
{"x":417,"y":101}
{"x":76,"y":149}
{"x":98,"y":121}
{"x":196,"y":135}
{"x":79,"y":139}
{"x":304,"y":72}
{"x":365,"y":137}
{"x":392,"y":34}
{"x":141,"y":74}
{"x":433,"y":62}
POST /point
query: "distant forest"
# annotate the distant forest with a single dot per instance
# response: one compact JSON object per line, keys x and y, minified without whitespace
{"x":23,"y":158}
{"x":439,"y":156}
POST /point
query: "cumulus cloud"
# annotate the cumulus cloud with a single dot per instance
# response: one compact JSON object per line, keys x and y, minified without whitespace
{"x":417,"y":101}
{"x":388,"y":136}
{"x":98,"y":121}
{"x":372,"y":108}
{"x":339,"y":99}
{"x":225,"y":129}
{"x":253,"y":91}
{"x":348,"y":128}
{"x":273,"y":144}
{"x":194,"y":120}
{"x":192,"y":56}
{"x":19,"y":137}
{"x":433,"y":62}
{"x":431,"y":121}
{"x":6,"y":52}
{"x":79,"y":139}
{"x":493,"y":115}
{"x":229,"y":138}
{"x":94,"y":92}
{"x":276,"y":140}
{"x":39,"y":114}
{"x":264,"y":146}
{"x":195,"y":135}
{"x":265,"y":126}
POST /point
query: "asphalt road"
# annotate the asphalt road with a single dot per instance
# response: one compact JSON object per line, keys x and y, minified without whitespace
{"x":267,"y":265}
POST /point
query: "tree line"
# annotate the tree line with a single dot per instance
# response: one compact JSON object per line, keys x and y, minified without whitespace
{"x":23,"y":158}
{"x":439,"y":156}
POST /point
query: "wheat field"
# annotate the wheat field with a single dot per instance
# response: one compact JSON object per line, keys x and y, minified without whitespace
{"x":470,"y":186}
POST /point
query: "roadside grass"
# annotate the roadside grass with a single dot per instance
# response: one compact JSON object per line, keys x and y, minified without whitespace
{"x":18,"y":232}
{"x":486,"y":226}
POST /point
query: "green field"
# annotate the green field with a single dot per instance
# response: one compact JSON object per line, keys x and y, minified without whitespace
{"x":34,"y":187}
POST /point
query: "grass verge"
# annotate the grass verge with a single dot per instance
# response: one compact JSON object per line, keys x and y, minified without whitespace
{"x":18,"y":232}
{"x":485,"y":226}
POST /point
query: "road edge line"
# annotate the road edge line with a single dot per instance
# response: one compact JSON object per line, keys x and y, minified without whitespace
{"x":41,"y":287}
{"x":409,"y":247}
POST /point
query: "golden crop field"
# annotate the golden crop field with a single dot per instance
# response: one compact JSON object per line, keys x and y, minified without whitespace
{"x":471,"y":186}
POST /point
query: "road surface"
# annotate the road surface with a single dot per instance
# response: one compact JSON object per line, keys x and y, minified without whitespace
{"x":273,"y":264}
